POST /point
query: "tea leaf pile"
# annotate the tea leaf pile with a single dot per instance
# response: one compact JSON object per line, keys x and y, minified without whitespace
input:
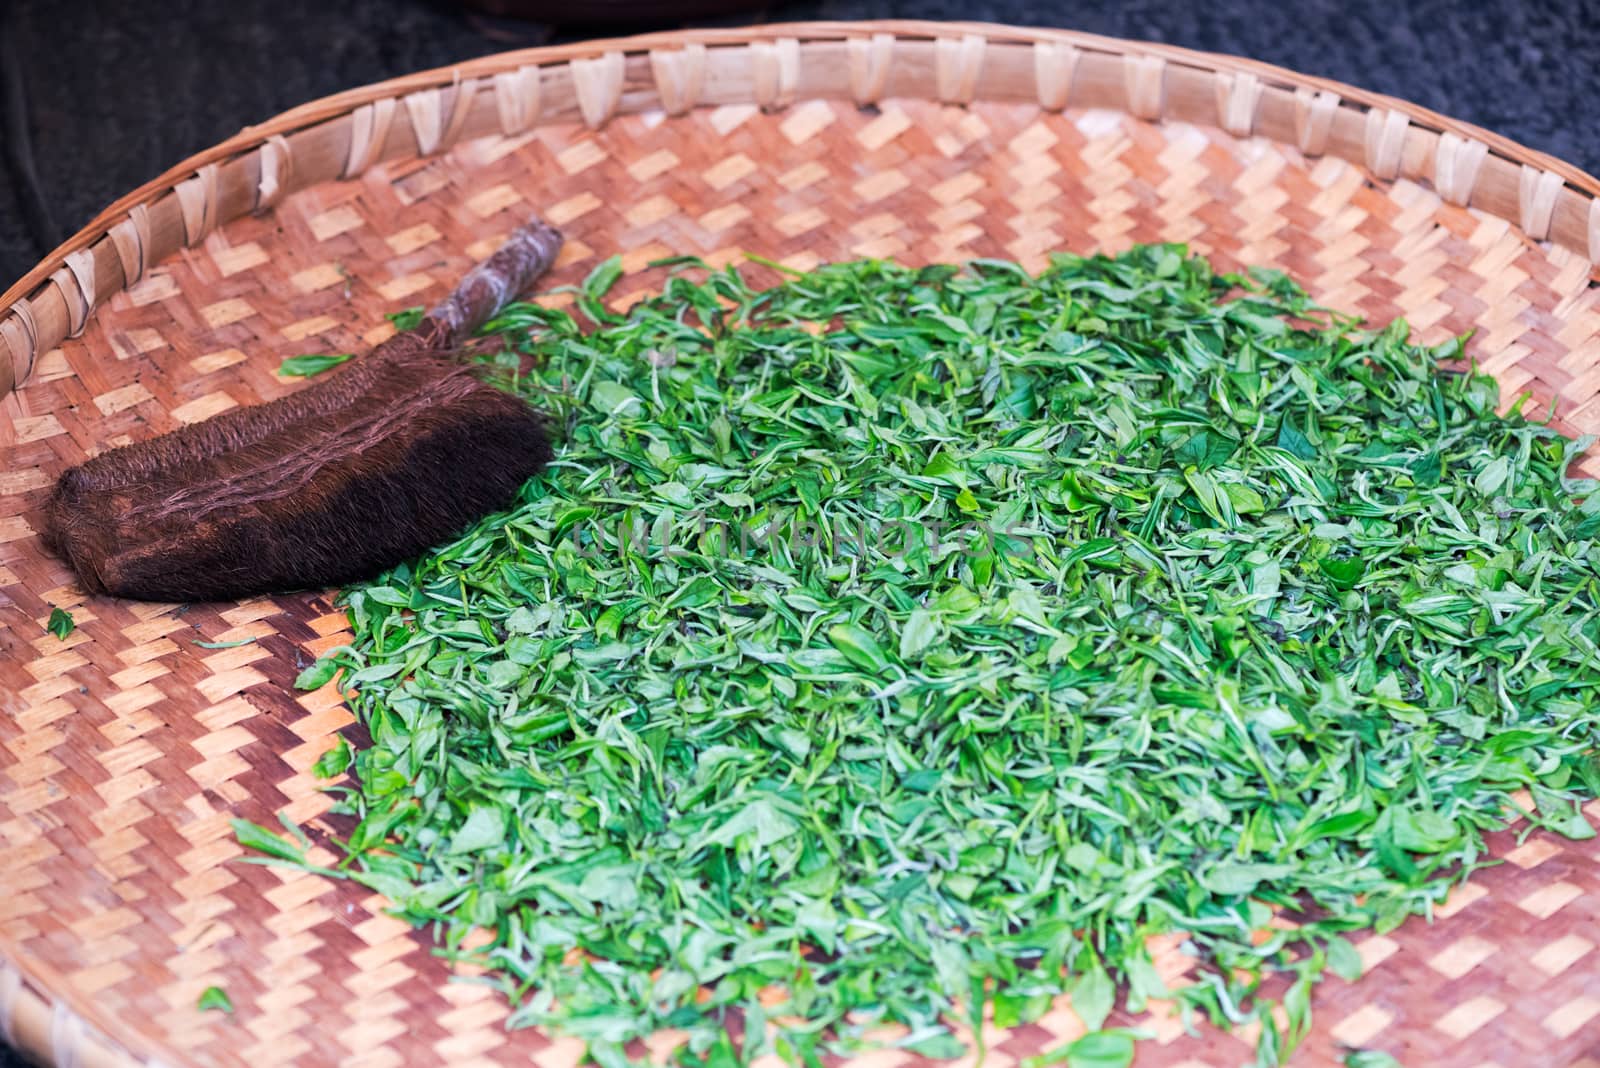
{"x":890,"y":641}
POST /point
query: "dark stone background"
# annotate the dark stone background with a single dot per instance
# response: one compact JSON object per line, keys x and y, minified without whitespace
{"x":110,"y":93}
{"x":100,"y":96}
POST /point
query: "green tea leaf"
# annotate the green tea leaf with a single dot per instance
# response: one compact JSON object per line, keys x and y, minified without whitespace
{"x":604,"y":275}
{"x":254,"y":836}
{"x":1343,"y":959}
{"x":1561,"y":815}
{"x":1493,"y":476}
{"x":1422,"y":831}
{"x":61,"y":623}
{"x":1098,"y":1049}
{"x":920,"y":632}
{"x":312,"y":364}
{"x":1206,"y":449}
{"x":858,"y":646}
{"x":614,"y":398}
{"x":941,"y":1046}
{"x":407,"y":318}
{"x":334,"y":762}
{"x":1231,"y":878}
{"x":319,"y":674}
{"x":214,"y":997}
{"x":1093,"y":996}
{"x":485,"y":827}
{"x":1369,"y":1058}
{"x":1101,"y":1049}
{"x":1293,"y":441}
{"x":1343,"y":573}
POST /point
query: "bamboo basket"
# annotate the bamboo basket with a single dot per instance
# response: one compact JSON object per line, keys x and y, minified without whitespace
{"x":125,"y":749}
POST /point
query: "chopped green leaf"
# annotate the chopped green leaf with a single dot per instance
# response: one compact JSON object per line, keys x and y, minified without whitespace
{"x":485,"y":827}
{"x":858,"y":646}
{"x":920,"y":632}
{"x":254,"y":836}
{"x":1093,"y":996}
{"x":614,"y":398}
{"x":1370,"y":1058}
{"x":334,"y":762}
{"x":314,"y":364}
{"x":224,"y":645}
{"x":899,"y":639}
{"x":61,"y":623}
{"x":603,"y":277}
{"x":317,"y":675}
{"x":1101,"y":1049}
{"x":407,"y":318}
{"x":214,"y":997}
{"x":1206,"y":449}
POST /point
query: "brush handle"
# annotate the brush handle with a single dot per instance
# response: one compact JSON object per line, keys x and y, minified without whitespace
{"x":484,"y":290}
{"x":495,"y":282}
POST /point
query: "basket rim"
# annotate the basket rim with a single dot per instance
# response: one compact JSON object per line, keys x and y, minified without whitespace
{"x":58,"y":265}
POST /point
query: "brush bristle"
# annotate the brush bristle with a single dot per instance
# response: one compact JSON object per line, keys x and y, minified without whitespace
{"x":340,"y":499}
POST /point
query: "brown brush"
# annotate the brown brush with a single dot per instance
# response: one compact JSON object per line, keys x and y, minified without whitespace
{"x":389,"y":455}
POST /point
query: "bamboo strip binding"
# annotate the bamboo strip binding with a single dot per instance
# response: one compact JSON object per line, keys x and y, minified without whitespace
{"x":770,"y":67}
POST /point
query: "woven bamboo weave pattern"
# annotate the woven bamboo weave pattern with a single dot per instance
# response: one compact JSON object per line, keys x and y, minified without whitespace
{"x":341,"y":136}
{"x":125,"y":748}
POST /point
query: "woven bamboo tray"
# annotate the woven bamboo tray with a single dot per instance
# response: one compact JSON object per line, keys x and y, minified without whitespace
{"x":125,"y":749}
